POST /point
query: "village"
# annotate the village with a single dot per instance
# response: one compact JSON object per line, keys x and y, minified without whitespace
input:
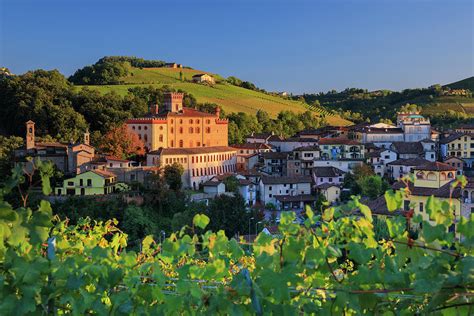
{"x":272,"y":173}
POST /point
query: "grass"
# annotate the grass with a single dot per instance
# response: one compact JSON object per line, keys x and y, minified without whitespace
{"x":443,"y":104}
{"x":231,"y":98}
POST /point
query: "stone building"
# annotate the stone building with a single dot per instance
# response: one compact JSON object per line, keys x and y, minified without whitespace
{"x":68,"y":158}
{"x":175,"y":126}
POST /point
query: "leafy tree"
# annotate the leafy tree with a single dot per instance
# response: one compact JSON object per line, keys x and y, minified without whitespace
{"x":121,"y":143}
{"x":228,"y":213}
{"x":231,"y":184}
{"x":362,"y":171}
{"x":7,"y":148}
{"x":172,"y":175}
{"x":372,"y":186}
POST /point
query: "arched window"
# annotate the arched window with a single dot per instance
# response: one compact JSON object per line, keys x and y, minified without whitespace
{"x":190,"y":130}
{"x":420,"y":175}
{"x":172,"y":143}
{"x":191,"y":121}
{"x":198,"y":130}
{"x":160,"y":138}
{"x":145,"y":137}
{"x":172,"y":130}
{"x":181,"y":130}
{"x":181,"y":144}
{"x":145,"y":128}
{"x":197,"y":121}
{"x":180,"y":121}
{"x":431,"y":176}
{"x":161,"y":128}
{"x":450,"y":175}
{"x":442,"y":176}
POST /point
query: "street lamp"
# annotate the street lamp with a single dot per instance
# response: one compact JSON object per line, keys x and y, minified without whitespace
{"x":250,"y":219}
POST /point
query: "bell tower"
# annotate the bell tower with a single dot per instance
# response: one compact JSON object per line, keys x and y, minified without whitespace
{"x":30,"y":134}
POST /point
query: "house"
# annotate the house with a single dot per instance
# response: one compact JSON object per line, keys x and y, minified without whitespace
{"x":331,"y":191}
{"x":93,"y":182}
{"x":324,"y":132}
{"x":262,"y":138}
{"x":329,"y":175}
{"x":203,"y":78}
{"x":425,"y":149}
{"x":346,"y":165}
{"x":67,"y":157}
{"x":415,"y":126}
{"x":214,"y":188}
{"x":399,"y":168}
{"x":248,"y":154}
{"x":457,"y":163}
{"x":290,"y":144}
{"x":379,"y":160}
{"x":432,"y":179}
{"x":341,"y":148}
{"x":459,"y":145}
{"x":274,"y":163}
{"x":300,"y":161}
{"x":246,"y":188}
{"x":173,"y":65}
{"x":278,"y":190}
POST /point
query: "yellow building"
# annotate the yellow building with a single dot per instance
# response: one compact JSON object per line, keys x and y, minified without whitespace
{"x":94,"y":182}
{"x":458,"y":145}
{"x":175,"y":126}
{"x":432,"y":179}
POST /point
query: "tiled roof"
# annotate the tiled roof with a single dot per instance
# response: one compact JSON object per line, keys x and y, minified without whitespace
{"x":192,"y":151}
{"x":116,"y":159}
{"x":103,"y":173}
{"x":379,"y":207}
{"x":286,"y":180}
{"x":296,"y":140}
{"x":411,"y":162}
{"x":275,"y":155}
{"x":326,"y":186}
{"x":451,"y":138}
{"x":327,"y":172}
{"x":408,"y":148}
{"x":307,"y":148}
{"x":442,"y":192}
{"x":435,"y":166}
{"x":251,"y":146}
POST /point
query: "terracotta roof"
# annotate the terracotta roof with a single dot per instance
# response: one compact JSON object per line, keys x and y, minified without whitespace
{"x":442,"y":192}
{"x":296,"y":140}
{"x":327,"y":172}
{"x":275,"y":155}
{"x":307,"y":148}
{"x":103,"y":173}
{"x":260,"y":135}
{"x":451,"y":138}
{"x":408,"y":148}
{"x":286,"y":180}
{"x":296,"y":198}
{"x":192,"y":151}
{"x":435,"y":166}
{"x":411,"y":162}
{"x":338,"y":141}
{"x":251,"y":146}
{"x":116,"y":159}
{"x":50,"y":144}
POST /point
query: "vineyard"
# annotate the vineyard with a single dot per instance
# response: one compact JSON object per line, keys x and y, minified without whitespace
{"x":333,"y":265}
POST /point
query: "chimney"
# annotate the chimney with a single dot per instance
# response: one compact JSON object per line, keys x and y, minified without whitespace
{"x":87,"y":140}
{"x":30,"y":134}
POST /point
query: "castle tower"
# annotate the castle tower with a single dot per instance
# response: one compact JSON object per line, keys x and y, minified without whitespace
{"x":173,"y":102}
{"x":154,"y":109}
{"x":87,"y":140}
{"x":30,"y":134}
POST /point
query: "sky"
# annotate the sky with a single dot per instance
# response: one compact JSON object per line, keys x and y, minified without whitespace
{"x":295,"y":46}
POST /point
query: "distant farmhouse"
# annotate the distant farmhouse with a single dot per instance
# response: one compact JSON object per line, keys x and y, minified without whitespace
{"x":203,"y":78}
{"x":173,"y":65}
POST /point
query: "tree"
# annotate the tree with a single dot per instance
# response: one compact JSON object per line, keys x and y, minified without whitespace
{"x":229,"y":214}
{"x":231,"y":184}
{"x":172,"y":175}
{"x":121,"y":143}
{"x":372,"y":186}
{"x":7,"y":148}
{"x":362,"y":170}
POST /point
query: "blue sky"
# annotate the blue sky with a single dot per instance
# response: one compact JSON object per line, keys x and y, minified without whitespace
{"x":297,"y":46}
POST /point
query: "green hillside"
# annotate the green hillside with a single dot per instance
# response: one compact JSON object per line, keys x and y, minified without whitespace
{"x":231,"y":98}
{"x":467,"y":83}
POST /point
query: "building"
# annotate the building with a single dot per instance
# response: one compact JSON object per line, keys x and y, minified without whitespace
{"x":300,"y":161}
{"x":204,"y":78}
{"x":248,"y":154}
{"x":341,"y":148}
{"x":329,"y":175}
{"x":68,"y":158}
{"x":94,"y":182}
{"x":415,"y":126}
{"x":460,"y":145}
{"x":432,"y":179}
{"x":402,"y":167}
{"x":175,"y":126}
{"x":173,"y":65}
{"x":457,"y":163}
{"x":199,"y":164}
{"x":246,"y":188}
{"x":425,"y":149}
{"x":379,"y":160}
{"x":381,"y":135}
{"x":264,"y":138}
{"x":325,"y":132}
{"x":290,"y":144}
{"x":346,"y":165}
{"x":275,"y":163}
{"x":331,"y":191}
{"x":274,"y":189}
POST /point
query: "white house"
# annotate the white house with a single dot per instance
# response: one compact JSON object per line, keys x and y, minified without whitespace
{"x":331,"y":175}
{"x":273,"y":187}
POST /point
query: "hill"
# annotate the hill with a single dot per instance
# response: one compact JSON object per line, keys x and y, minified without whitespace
{"x":467,"y":83}
{"x":231,"y":98}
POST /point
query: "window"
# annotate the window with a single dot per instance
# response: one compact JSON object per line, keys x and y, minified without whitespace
{"x":190,"y":121}
{"x":269,"y":188}
{"x":139,"y":128}
{"x":172,"y":130}
{"x":181,"y":130}
{"x":190,"y":130}
{"x":160,"y":138}
{"x":89,"y":182}
{"x":133,"y":127}
{"x":421,"y":207}
{"x":180,"y":121}
{"x":146,"y":127}
{"x":81,"y":182}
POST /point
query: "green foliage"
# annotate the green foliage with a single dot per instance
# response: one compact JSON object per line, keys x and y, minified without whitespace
{"x":339,"y":266}
{"x":372,"y":186}
{"x":231,"y":184}
{"x":7,"y":148}
{"x":104,"y":71}
{"x":172,"y":175}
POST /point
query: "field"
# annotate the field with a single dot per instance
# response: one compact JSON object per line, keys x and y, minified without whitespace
{"x":443,"y":104}
{"x":231,"y":98}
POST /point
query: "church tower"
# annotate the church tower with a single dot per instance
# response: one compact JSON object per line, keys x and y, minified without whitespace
{"x":30,"y":134}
